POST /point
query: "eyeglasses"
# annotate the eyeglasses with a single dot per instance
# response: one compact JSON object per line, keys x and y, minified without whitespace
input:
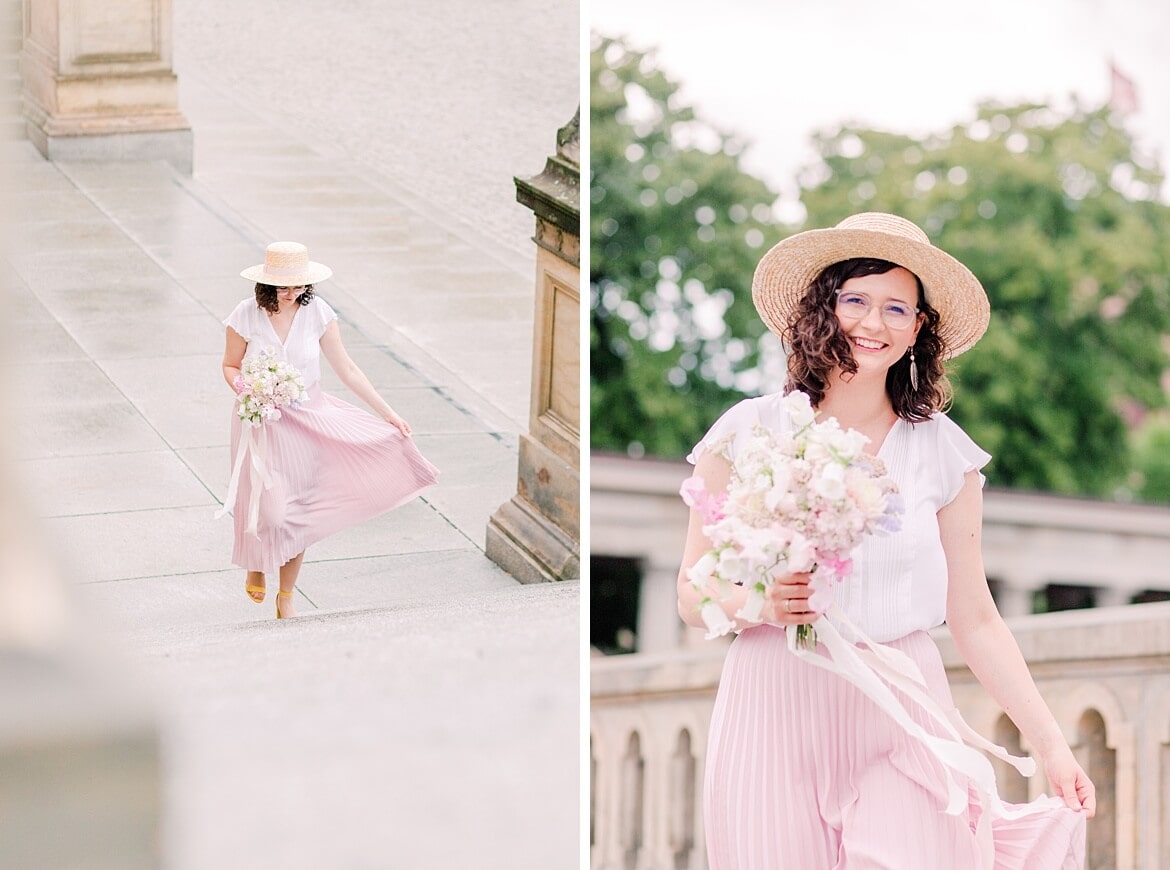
{"x":895,"y":315}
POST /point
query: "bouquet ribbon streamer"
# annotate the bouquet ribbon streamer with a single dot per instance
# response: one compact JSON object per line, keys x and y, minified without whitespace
{"x":254,"y":448}
{"x":876,"y":669}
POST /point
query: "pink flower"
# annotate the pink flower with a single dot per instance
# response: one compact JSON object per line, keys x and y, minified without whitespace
{"x":821,"y":598}
{"x":839,"y":568}
{"x":695,"y":495}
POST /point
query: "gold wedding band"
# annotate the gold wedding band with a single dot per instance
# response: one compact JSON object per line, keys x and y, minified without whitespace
{"x":787,"y":605}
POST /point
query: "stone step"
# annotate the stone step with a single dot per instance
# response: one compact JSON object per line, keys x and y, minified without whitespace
{"x":506,"y":604}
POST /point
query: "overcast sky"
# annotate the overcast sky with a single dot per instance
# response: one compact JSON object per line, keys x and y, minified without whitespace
{"x":776,"y":71}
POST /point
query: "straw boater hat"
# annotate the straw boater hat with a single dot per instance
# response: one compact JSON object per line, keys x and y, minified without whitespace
{"x":286,"y":264}
{"x":785,"y":273}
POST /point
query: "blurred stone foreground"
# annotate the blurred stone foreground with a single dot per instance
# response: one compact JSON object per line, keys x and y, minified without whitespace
{"x":423,"y":711}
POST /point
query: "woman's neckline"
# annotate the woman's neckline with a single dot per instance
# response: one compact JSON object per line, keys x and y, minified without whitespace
{"x":876,"y":445}
{"x":291,"y":324}
{"x":888,"y":437}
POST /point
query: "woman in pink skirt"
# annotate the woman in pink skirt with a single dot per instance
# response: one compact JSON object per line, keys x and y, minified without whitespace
{"x":803,"y":768}
{"x":328,"y":464}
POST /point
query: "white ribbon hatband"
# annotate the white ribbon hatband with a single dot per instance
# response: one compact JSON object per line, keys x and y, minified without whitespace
{"x":254,"y":447}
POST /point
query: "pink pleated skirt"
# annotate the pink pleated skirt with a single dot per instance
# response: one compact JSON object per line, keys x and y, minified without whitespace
{"x":804,"y":771}
{"x":332,"y":465}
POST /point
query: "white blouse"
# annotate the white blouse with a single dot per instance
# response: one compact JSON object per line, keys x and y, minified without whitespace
{"x":302,"y":348}
{"x":899,"y":581}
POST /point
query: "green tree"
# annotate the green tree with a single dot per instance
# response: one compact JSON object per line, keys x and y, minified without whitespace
{"x":676,"y":230}
{"x":1061,"y":223}
{"x":1054,"y":211}
{"x":1152,"y":463}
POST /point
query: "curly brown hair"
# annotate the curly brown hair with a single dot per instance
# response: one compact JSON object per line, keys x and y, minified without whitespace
{"x":817,"y":345}
{"x":266,"y":297}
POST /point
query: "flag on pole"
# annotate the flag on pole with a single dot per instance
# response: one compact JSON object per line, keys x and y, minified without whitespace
{"x":1122,"y":92}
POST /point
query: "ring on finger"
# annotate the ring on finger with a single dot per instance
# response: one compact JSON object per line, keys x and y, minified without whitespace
{"x":787,"y":605}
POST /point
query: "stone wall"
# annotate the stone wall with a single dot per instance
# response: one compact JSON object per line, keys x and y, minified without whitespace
{"x":1114,"y":551}
{"x":1104,"y":672}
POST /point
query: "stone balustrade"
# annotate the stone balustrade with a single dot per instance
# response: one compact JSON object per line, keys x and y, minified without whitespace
{"x":1104,"y":672}
{"x":1115,"y":553}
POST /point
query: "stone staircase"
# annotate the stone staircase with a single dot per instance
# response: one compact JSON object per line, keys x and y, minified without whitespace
{"x":466,"y":702}
{"x":11,"y":36}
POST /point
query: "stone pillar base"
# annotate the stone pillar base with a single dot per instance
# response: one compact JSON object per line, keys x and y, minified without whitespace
{"x":98,"y":84}
{"x":529,"y":547}
{"x":152,"y":137}
{"x":534,"y":537}
{"x":174,"y":147}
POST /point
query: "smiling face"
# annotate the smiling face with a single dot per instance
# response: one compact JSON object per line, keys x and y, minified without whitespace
{"x":877,"y":345}
{"x":831,"y":341}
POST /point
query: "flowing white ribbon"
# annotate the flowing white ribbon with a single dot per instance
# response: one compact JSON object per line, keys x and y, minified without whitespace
{"x":254,"y":446}
{"x":870,"y":669}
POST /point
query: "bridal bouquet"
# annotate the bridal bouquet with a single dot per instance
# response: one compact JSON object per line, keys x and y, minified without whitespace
{"x":798,"y":501}
{"x":264,"y":386}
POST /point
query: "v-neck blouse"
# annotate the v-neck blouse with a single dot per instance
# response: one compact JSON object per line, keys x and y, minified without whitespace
{"x":899,"y":581}
{"x":300,"y":349}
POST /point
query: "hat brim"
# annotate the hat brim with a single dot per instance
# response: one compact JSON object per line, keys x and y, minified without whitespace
{"x":785,"y":273}
{"x":314,"y":273}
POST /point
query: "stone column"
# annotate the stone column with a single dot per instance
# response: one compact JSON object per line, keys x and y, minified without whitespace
{"x":98,"y":82}
{"x":659,"y":628}
{"x":1014,"y":599}
{"x":1113,"y":596}
{"x":536,"y":535}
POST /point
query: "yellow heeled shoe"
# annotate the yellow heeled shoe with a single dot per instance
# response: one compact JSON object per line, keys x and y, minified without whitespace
{"x":280,"y":615}
{"x":251,"y":588}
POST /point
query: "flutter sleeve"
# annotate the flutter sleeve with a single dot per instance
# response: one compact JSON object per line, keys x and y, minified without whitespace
{"x":323,"y":314}
{"x":242,"y":319}
{"x":736,"y":421}
{"x":957,"y":454}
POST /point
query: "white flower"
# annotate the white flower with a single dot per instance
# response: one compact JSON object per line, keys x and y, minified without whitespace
{"x":753,"y":605}
{"x":847,"y":444}
{"x":801,"y":554}
{"x":831,"y":482}
{"x":716,"y":620}
{"x":799,"y":409}
{"x":867,"y":495}
{"x":731,"y":565}
{"x":817,"y":452}
{"x":702,"y":571}
{"x":781,"y":484}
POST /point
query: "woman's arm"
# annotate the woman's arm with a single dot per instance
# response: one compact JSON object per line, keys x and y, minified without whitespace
{"x":715,"y":472}
{"x":355,"y":378}
{"x":986,"y":644}
{"x":233,"y":356}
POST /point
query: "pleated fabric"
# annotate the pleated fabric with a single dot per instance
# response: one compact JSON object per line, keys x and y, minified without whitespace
{"x":803,"y":771}
{"x":333,"y":465}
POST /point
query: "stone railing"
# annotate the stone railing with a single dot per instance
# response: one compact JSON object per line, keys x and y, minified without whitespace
{"x":1104,"y":672}
{"x":1118,"y":551}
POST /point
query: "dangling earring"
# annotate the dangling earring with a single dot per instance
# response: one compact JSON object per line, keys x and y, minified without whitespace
{"x":913,"y":371}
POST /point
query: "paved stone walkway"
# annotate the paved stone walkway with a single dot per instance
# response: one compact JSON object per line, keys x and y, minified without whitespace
{"x":447,"y":99}
{"x":423,"y":711}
